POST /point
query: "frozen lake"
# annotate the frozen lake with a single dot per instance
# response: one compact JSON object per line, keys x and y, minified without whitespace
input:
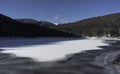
{"x":48,"y":49}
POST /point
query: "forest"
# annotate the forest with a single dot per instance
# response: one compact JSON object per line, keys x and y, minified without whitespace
{"x":107,"y":26}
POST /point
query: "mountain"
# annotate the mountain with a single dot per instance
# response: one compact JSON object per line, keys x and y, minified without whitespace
{"x":107,"y":25}
{"x":33,"y":21}
{"x":5,"y":19}
{"x":27,"y":20}
{"x":14,"y":28}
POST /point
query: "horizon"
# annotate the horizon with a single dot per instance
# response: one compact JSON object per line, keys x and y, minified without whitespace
{"x":58,"y":11}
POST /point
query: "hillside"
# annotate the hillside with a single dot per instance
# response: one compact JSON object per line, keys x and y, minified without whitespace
{"x":33,"y":21}
{"x":108,"y":25}
{"x":12,"y":28}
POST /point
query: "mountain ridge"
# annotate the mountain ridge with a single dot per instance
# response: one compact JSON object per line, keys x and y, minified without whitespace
{"x":107,"y":25}
{"x":12,"y":28}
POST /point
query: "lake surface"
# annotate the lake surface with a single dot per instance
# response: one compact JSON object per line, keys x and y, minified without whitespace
{"x":48,"y":49}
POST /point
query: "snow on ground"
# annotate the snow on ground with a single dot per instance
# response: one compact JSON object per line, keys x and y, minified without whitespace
{"x":48,"y":51}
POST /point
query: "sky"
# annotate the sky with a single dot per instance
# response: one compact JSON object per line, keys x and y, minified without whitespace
{"x":58,"y":11}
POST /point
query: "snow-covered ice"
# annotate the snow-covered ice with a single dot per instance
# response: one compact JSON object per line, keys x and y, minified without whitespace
{"x":53,"y":49}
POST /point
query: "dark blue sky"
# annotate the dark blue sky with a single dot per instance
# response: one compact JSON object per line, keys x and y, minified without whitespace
{"x":58,"y":10}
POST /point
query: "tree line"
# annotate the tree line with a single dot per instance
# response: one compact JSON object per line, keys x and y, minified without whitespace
{"x":108,"y":25}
